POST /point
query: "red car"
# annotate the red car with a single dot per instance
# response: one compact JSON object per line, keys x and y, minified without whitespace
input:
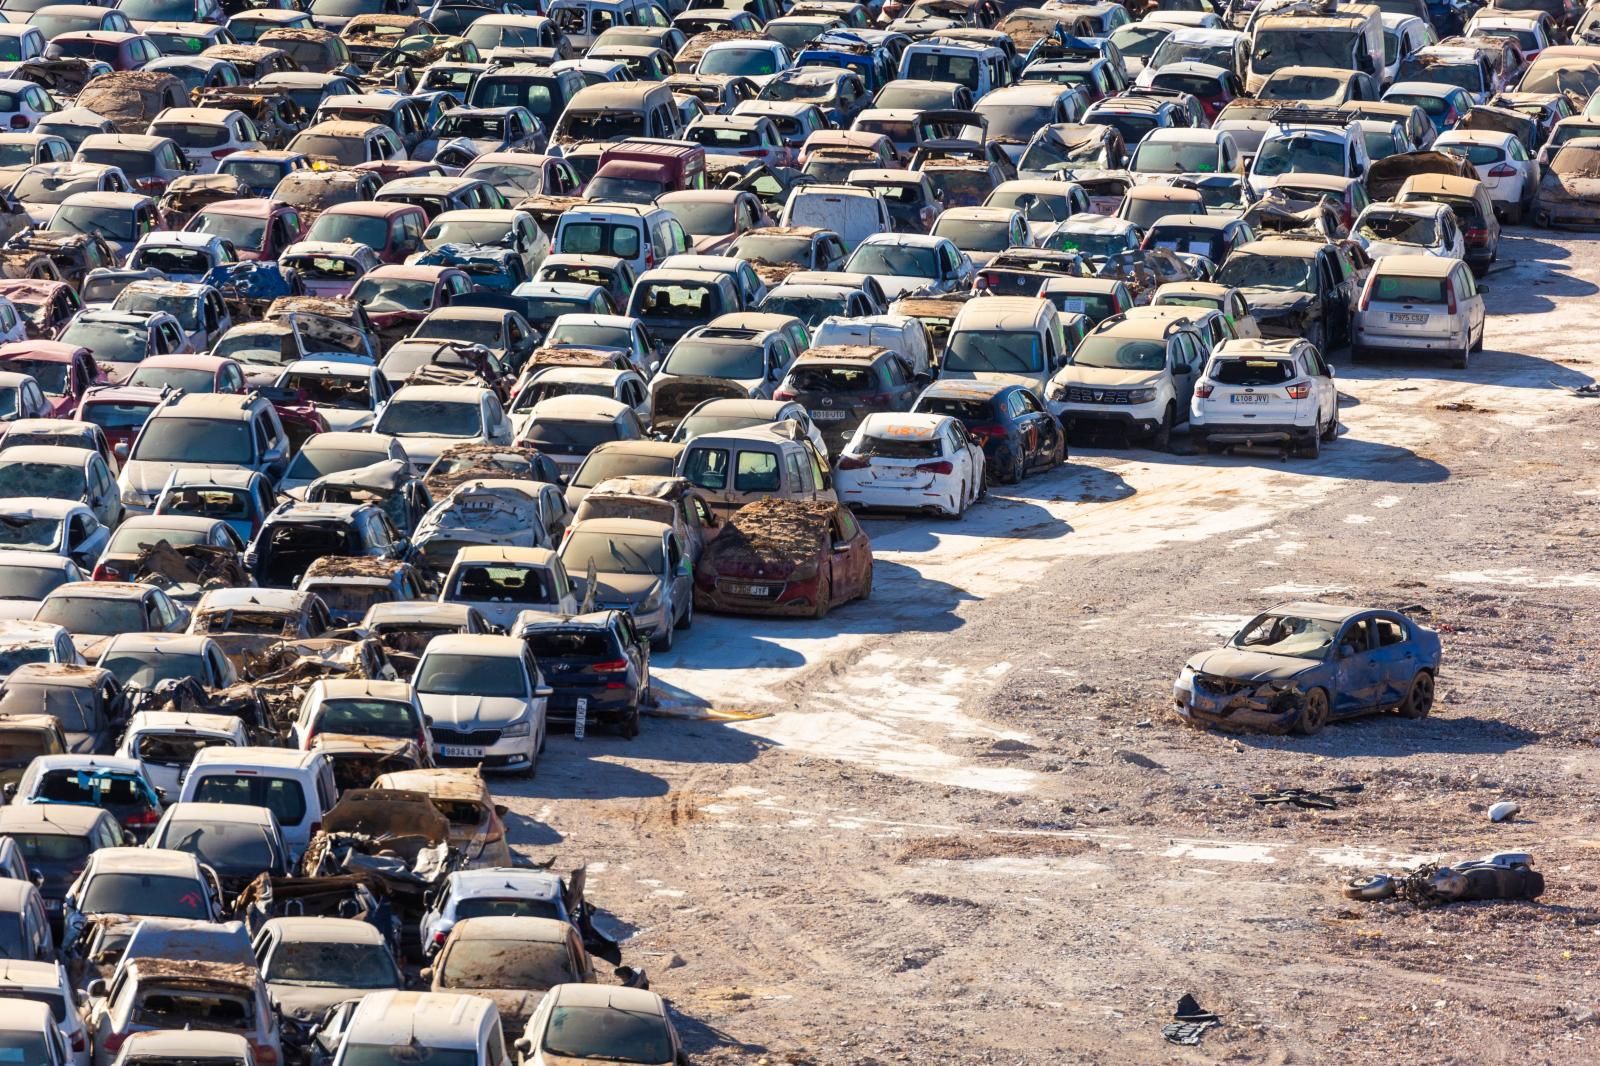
{"x":124,"y":51}
{"x":259,"y":229}
{"x":120,"y":412}
{"x":64,"y":371}
{"x":393,"y":230}
{"x":47,"y":305}
{"x":398,"y":297}
{"x":190,"y":372}
{"x":777,"y":556}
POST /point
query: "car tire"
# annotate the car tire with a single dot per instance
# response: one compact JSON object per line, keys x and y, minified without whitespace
{"x":662,"y":640}
{"x":866,"y":584}
{"x":1419,"y":697}
{"x":1460,"y":361}
{"x":1015,"y":470}
{"x":1358,"y":354}
{"x":1161,"y":438}
{"x":1311,"y":447}
{"x":688,"y":616}
{"x":1513,"y":215}
{"x":824,"y":596}
{"x":629,"y":726}
{"x":1313,"y":714}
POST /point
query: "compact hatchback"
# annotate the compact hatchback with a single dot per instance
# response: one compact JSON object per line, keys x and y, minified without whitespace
{"x":1419,"y":303}
{"x":1277,"y":392}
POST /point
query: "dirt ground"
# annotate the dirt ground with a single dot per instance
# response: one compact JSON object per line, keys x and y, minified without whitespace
{"x":968,"y":828}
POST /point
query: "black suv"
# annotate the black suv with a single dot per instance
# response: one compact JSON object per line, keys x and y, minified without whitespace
{"x":842,"y":384}
{"x":601,"y":657}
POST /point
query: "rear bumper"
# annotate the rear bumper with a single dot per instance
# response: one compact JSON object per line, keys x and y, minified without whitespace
{"x":1230,"y":432}
{"x":1378,"y":340}
{"x":613,"y":704}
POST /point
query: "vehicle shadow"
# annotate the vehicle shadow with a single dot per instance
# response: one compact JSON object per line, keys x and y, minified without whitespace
{"x":587,"y":768}
{"x":1345,"y":458}
{"x":1543,"y":281}
{"x":1388,"y":736}
{"x":529,"y":832}
{"x":1492,"y":366}
{"x":994,"y":518}
{"x":700,"y":1037}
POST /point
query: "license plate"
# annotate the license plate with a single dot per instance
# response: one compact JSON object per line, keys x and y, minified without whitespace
{"x":460,"y":751}
{"x":1249,"y":397}
{"x":1408,"y":317}
{"x":827,"y":416}
{"x":750,"y":590}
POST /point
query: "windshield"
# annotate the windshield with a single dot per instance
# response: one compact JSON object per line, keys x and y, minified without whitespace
{"x":357,"y":229}
{"x":600,"y":125}
{"x":112,"y":416}
{"x":1043,"y":207}
{"x":245,"y":232}
{"x":510,"y":178}
{"x":1299,"y":155}
{"x":368,"y":717}
{"x":1275,"y":48}
{"x":765,"y":249}
{"x":457,"y":232}
{"x":1118,"y":353}
{"x":51,"y":376}
{"x":714,"y":359}
{"x":527,"y":966}
{"x":975,"y":235}
{"x":406,"y":1055}
{"x":484,"y":331}
{"x":158,"y":10}
{"x":177,"y":439}
{"x":1300,"y":87}
{"x":147,"y":895}
{"x":1048,"y":155}
{"x":1168,"y":157}
{"x":1280,"y":634}
{"x":808,"y":309}
{"x":1398,"y":226}
{"x":786,"y":90}
{"x":1246,"y":271}
{"x":431,"y":418}
{"x":225,"y":846}
{"x":109,"y":340}
{"x":448,"y":674}
{"x":42,"y":479}
{"x":341,"y":391}
{"x":587,"y":336}
{"x":18,"y":531}
{"x":145,"y":669}
{"x":1172,"y":50}
{"x":1467,"y":75}
{"x":601,"y":466}
{"x":1096,"y":244}
{"x":327,"y":964}
{"x":599,"y":238}
{"x":570,"y":437}
{"x":44,"y":186}
{"x":704,"y":219}
{"x":607,"y":1034}
{"x":932,"y":66}
{"x":895,"y":259}
{"x":613,"y":553}
{"x":684,"y":299}
{"x":993,"y":351}
{"x":22,"y":582}
{"x":746,"y":62}
{"x":393,"y":294}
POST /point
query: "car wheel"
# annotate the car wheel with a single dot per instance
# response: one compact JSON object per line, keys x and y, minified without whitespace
{"x":1370,"y":887}
{"x":1314,"y":714}
{"x":1419,"y":698}
{"x":1460,"y":361}
{"x":688,"y":616}
{"x":1331,"y":430}
{"x":1318,"y":336}
{"x":1513,"y":215}
{"x":1161,"y":439}
{"x":1015,"y":469}
{"x":1311,"y":447}
{"x":663,"y":639}
{"x":629,"y":726}
{"x":824,"y":595}
{"x":866,"y":584}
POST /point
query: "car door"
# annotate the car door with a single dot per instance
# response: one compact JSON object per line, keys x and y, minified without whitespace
{"x":1327,"y":391}
{"x":1471,"y":300}
{"x":1394,"y":658}
{"x":1048,"y":432}
{"x":1355,"y":670}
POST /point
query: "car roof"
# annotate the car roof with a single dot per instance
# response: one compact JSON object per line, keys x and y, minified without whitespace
{"x":505,"y":927}
{"x":67,"y":819}
{"x":318,"y":930}
{"x":634,"y":1000}
{"x":147,"y":860}
{"x":495,"y":553}
{"x":1420,"y":266}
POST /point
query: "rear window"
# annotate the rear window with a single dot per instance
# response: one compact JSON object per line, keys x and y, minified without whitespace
{"x":573,"y":644}
{"x":835,"y":379}
{"x":898,"y":448}
{"x":147,"y":895}
{"x":1251,"y":371}
{"x":599,"y":238}
{"x":367,"y":717}
{"x":283,"y":796}
{"x":51,"y":847}
{"x":1399,"y":288}
{"x":1479,"y":155}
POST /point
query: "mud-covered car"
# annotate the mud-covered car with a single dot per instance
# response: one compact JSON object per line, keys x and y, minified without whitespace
{"x":1296,"y":288}
{"x":131,"y":99}
{"x":1569,"y":188}
{"x":351,"y":585}
{"x":470,"y":462}
{"x":777,"y":556}
{"x":46,"y":304}
{"x":462,"y":796}
{"x":1300,"y":665}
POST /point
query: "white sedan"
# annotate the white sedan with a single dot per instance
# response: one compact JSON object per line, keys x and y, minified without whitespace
{"x":1509,"y":174}
{"x":911,"y":462}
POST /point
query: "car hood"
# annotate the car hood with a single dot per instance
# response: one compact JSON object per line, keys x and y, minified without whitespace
{"x":309,"y":1004}
{"x":899,"y":284}
{"x":618,"y":588}
{"x":1275,"y":303}
{"x":424,"y":450}
{"x":1250,"y":665}
{"x":485,"y":712}
{"x":90,"y":645}
{"x":1103,"y":376}
{"x":148,"y":476}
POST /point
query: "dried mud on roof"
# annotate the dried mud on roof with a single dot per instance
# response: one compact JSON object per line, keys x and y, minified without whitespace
{"x":596,"y":357}
{"x":353,"y":566}
{"x":774,"y":530}
{"x":202,"y":564}
{"x":697,"y":45}
{"x":845,"y":353}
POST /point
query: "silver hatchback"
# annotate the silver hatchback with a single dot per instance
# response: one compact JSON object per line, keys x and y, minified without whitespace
{"x":1419,"y":303}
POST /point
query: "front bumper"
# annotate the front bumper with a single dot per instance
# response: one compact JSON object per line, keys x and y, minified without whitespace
{"x":781,"y":598}
{"x":1246,"y":706}
{"x":1569,"y":213}
{"x":490,"y":749}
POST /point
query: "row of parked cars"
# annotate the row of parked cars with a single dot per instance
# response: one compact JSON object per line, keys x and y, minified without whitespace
{"x":384,"y":386}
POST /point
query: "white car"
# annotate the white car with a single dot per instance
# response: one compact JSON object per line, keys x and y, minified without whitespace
{"x":497,"y":891}
{"x":1509,"y":174}
{"x":1265,"y":392}
{"x":1307,"y":149}
{"x":385,"y":709}
{"x":759,"y":61}
{"x":207,"y":135}
{"x":911,"y":462}
{"x":46,"y":982}
{"x":1423,"y":227}
{"x":165,"y":742}
{"x":485,"y":700}
{"x":25,"y":104}
{"x":1419,"y":303}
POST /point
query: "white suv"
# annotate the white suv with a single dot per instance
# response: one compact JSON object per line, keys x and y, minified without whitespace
{"x":1265,"y":392}
{"x":460,"y":1029}
{"x":1133,"y":375}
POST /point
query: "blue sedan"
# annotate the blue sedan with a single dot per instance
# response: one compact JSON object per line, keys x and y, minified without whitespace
{"x":1300,"y":665}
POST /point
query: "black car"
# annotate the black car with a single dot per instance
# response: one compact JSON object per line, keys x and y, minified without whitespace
{"x":56,"y":840}
{"x":296,"y":534}
{"x":842,"y":384}
{"x":601,"y":657}
{"x":1017,"y":432}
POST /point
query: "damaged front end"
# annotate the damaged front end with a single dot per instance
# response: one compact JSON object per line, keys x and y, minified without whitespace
{"x":1272,"y":705}
{"x":491,"y":266}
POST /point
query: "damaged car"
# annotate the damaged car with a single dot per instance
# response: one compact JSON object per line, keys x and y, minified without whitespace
{"x":1299,"y":666}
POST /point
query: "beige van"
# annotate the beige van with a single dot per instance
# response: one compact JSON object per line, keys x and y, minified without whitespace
{"x":1012,"y":340}
{"x":732,"y":469}
{"x":610,"y":111}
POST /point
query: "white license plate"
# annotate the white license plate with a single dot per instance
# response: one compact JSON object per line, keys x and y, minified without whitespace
{"x":460,"y":751}
{"x":1408,"y":317}
{"x":1250,"y":397}
{"x":827,"y":416}
{"x":750,"y":590}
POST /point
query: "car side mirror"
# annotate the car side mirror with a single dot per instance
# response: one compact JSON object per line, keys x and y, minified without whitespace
{"x":1183,"y":368}
{"x":501,"y":810}
{"x":96,"y":988}
{"x":425,"y":974}
{"x":1347,"y":651}
{"x":523,"y":1045}
{"x":1330,"y":371}
{"x":10,"y":791}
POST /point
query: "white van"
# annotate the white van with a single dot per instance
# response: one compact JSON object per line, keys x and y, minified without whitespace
{"x":644,"y":236}
{"x":946,"y":59}
{"x":853,"y":213}
{"x":166,"y":742}
{"x":297,"y":786}
{"x":1015,"y":340}
{"x":463,"y":1029}
{"x":907,"y":337}
{"x":501,"y":582}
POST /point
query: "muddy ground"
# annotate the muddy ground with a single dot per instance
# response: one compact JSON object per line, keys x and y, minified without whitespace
{"x":970,"y":829}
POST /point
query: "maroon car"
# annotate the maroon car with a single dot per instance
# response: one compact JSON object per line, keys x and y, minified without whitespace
{"x":398,"y":297}
{"x":64,"y":371}
{"x":259,"y":229}
{"x":120,"y":412}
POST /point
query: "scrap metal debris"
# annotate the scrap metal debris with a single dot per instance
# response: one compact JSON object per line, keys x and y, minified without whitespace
{"x":1192,"y":1022}
{"x":1300,"y":797}
{"x":1503,"y":875}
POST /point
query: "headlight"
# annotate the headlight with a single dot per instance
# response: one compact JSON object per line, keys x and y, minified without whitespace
{"x":520,"y":729}
{"x":652,"y":602}
{"x":132,"y":497}
{"x":1141,"y":395}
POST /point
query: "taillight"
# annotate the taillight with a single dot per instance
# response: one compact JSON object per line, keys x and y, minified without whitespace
{"x":990,"y":279}
{"x":1451,"y":304}
{"x":1475,"y":236}
{"x":942,"y":467}
{"x":144,"y":818}
{"x":223,"y":153}
{"x":877,"y":398}
{"x":649,"y":258}
{"x":1504,"y":170}
{"x":783,"y":394}
{"x":1203,"y":391}
{"x":78,"y":1041}
{"x":613,"y":666}
{"x":112,"y":1042}
{"x":853,"y":462}
{"x":1366,"y":294}
{"x":266,"y":1055}
{"x":1298,"y":392}
{"x":102,"y":572}
{"x":997,"y":432}
{"x":19,"y":122}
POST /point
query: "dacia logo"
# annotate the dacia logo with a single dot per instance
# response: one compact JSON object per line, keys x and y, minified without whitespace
{"x":1098,"y":396}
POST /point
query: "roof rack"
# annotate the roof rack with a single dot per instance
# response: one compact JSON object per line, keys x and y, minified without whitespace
{"x":1310,"y":116}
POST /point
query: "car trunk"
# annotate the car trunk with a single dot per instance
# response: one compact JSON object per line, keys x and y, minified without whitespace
{"x":838,"y":398}
{"x":675,"y":397}
{"x":291,"y":549}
